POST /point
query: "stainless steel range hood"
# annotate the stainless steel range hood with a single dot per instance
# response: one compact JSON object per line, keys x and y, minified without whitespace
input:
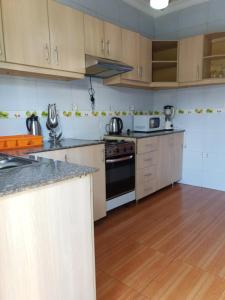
{"x":104,"y":68}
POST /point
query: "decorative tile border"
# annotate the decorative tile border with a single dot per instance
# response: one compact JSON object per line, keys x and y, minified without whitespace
{"x":81,"y":114}
{"x":73,"y":114}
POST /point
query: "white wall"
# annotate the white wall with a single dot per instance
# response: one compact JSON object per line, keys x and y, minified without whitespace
{"x":18,"y":95}
{"x":204,"y":147}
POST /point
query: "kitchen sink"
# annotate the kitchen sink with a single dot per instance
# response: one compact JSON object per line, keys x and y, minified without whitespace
{"x":11,"y":162}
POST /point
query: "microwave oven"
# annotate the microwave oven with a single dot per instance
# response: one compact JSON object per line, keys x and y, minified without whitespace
{"x":149,"y":123}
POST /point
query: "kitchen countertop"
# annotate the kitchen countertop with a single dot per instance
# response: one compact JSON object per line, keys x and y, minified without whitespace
{"x":49,"y":146}
{"x":141,"y":135}
{"x":44,"y":172}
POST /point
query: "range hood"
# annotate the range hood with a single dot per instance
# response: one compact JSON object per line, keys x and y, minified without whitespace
{"x":104,"y":68}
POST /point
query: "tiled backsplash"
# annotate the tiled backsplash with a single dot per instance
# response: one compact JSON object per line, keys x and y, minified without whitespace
{"x":21,"y":96}
{"x":204,"y":147}
{"x":200,"y":111}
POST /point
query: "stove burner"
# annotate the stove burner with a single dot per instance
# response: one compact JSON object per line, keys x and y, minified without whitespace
{"x":118,"y":148}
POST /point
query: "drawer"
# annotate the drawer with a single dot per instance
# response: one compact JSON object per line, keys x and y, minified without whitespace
{"x":147,"y":145}
{"x":145,"y":189}
{"x":143,"y":176}
{"x":147,"y":159}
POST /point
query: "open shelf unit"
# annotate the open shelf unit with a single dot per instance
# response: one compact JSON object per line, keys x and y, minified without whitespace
{"x":214,"y":56}
{"x":164,"y":61}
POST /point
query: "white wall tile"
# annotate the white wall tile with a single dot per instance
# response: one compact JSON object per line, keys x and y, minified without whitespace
{"x":35,"y":95}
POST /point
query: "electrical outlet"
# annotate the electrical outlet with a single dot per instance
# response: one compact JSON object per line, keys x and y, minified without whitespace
{"x":74,"y":107}
{"x":131,"y":107}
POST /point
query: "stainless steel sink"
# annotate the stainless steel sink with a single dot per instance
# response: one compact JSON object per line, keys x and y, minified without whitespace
{"x":9,"y":162}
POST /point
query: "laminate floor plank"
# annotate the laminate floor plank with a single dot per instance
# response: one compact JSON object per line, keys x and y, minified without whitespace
{"x":170,"y":245}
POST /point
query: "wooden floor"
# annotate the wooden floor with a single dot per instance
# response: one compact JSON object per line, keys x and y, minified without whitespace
{"x":169,"y":246}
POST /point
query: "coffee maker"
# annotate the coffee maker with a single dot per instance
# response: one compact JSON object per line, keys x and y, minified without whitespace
{"x":169,"y":112}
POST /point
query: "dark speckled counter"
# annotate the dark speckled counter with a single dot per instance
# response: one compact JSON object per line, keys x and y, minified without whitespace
{"x":45,"y":171}
{"x":141,"y":135}
{"x":48,"y":146}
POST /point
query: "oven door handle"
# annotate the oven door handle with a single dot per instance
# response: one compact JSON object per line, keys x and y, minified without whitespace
{"x":111,"y":161}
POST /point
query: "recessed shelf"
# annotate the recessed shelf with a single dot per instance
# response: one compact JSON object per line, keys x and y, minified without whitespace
{"x":164,"y":65}
{"x":164,"y":61}
{"x":214,"y":56}
{"x":164,"y":50}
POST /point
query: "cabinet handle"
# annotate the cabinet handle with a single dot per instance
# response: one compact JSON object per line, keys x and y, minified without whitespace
{"x":66,"y":158}
{"x":1,"y":52}
{"x":141,"y":72}
{"x":148,"y":175}
{"x":138,"y":70}
{"x":103,"y":46}
{"x":56,"y":51}
{"x":108,"y":47}
{"x":103,"y":155}
{"x":150,"y":159}
{"x":198,"y":73}
{"x":46,"y":53}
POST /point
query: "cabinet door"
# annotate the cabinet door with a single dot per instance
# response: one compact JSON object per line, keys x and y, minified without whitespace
{"x":56,"y":155}
{"x":191,"y":59}
{"x":93,"y":156}
{"x":131,"y":53}
{"x":67,"y":38}
{"x":178,"y":140}
{"x":145,"y":57}
{"x":26,"y":32}
{"x":94,"y":36}
{"x":113,"y":41}
{"x":165,"y":176}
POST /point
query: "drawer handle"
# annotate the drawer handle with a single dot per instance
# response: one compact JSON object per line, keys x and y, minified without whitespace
{"x":148,"y":189}
{"x":150,"y":159}
{"x":148,"y":175}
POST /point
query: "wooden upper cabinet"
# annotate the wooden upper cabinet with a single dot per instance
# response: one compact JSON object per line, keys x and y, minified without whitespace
{"x":191,"y":59}
{"x":26,"y":32}
{"x":67,"y":37}
{"x":130,"y":48}
{"x":113,"y":41}
{"x":145,"y":57}
{"x":94,"y":36}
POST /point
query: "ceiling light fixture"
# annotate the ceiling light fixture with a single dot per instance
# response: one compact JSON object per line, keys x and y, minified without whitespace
{"x":159,"y":4}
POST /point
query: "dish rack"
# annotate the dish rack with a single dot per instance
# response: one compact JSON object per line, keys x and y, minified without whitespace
{"x":20,"y":141}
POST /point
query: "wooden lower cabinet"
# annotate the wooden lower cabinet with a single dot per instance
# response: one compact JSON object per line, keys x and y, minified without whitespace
{"x":158,"y":163}
{"x":146,"y":166}
{"x":47,"y":243}
{"x":91,"y":156}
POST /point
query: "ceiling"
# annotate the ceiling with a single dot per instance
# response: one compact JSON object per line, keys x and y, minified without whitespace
{"x":174,"y":5}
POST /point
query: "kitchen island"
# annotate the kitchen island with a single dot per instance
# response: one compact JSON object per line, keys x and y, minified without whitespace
{"x":46,"y":232}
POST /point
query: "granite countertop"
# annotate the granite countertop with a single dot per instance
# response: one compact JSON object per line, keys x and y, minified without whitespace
{"x":64,"y":144}
{"x":43,"y":172}
{"x":141,"y":135}
{"x":49,"y":146}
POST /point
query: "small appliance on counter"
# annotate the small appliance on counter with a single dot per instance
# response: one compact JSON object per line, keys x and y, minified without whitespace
{"x":52,"y":124}
{"x":33,"y":125}
{"x":169,"y":112}
{"x":120,"y":173}
{"x":149,"y":123}
{"x":115,"y":126}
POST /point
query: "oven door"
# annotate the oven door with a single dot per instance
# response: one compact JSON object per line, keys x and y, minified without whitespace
{"x":120,"y":176}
